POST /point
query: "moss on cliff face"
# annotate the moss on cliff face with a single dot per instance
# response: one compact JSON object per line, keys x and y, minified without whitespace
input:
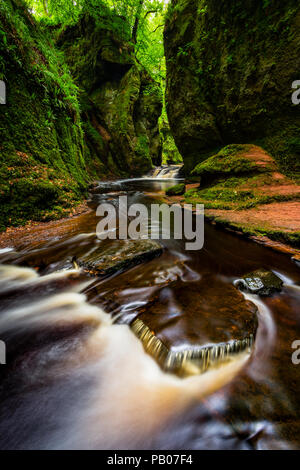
{"x":230,"y":67}
{"x":41,"y":140}
{"x":120,"y":101}
{"x":54,"y":136}
{"x":170,"y":153}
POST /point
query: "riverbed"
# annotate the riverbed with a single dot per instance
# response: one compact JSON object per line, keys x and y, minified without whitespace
{"x":77,"y":377}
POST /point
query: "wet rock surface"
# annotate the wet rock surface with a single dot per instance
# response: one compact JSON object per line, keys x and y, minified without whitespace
{"x":260,"y":282}
{"x":109,"y":258}
{"x":207,"y":313}
{"x":190,"y":331}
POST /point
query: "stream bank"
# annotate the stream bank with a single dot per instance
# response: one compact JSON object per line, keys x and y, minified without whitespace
{"x":242,"y":189}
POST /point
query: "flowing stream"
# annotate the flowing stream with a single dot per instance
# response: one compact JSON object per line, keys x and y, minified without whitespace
{"x":78,"y":378}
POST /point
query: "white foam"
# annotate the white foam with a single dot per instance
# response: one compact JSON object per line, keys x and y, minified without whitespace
{"x":5,"y":250}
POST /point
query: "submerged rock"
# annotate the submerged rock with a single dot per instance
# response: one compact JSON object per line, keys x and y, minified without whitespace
{"x":119,"y":255}
{"x":176,"y":190}
{"x":261,"y":282}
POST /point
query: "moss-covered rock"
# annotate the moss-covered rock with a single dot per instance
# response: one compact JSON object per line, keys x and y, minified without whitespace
{"x":241,"y":177}
{"x":230,"y":69}
{"x":234,"y":161}
{"x":176,"y":190}
{"x":121,"y":103}
{"x":55,"y":137}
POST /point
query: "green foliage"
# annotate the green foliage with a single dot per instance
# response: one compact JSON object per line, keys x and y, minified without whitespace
{"x":34,"y":191}
{"x":176,"y":190}
{"x":118,"y":16}
{"x":228,"y":160}
{"x":49,"y":115}
{"x":41,"y":157}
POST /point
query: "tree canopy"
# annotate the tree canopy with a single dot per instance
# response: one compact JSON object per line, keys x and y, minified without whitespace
{"x":145,"y":20}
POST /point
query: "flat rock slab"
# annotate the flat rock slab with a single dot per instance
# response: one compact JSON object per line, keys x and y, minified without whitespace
{"x":119,"y":255}
{"x":196,"y":324}
{"x":200,"y":313}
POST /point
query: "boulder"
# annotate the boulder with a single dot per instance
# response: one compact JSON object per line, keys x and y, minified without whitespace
{"x":235,"y":161}
{"x":261,"y":282}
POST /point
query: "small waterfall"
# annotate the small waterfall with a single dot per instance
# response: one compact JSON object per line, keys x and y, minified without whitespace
{"x":165,"y":172}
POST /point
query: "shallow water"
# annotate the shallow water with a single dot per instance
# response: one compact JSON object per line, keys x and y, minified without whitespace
{"x":77,"y":377}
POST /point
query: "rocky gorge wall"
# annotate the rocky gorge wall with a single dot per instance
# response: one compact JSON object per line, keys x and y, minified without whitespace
{"x":81,"y":111}
{"x":121,"y":103}
{"x":230,"y":69}
{"x":42,"y":166}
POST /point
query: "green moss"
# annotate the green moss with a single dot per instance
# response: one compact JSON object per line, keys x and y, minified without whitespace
{"x":227,"y":197}
{"x":142,"y":147}
{"x":176,"y":190}
{"x":170,"y":153}
{"x":43,"y":169}
{"x":230,"y":66}
{"x":120,"y":101}
{"x":63,"y":135}
{"x":34,"y":193}
{"x":229,"y":160}
{"x":285,"y":147}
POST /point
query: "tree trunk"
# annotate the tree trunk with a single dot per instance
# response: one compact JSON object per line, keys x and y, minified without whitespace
{"x":137,"y":20}
{"x":45,"y":6}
